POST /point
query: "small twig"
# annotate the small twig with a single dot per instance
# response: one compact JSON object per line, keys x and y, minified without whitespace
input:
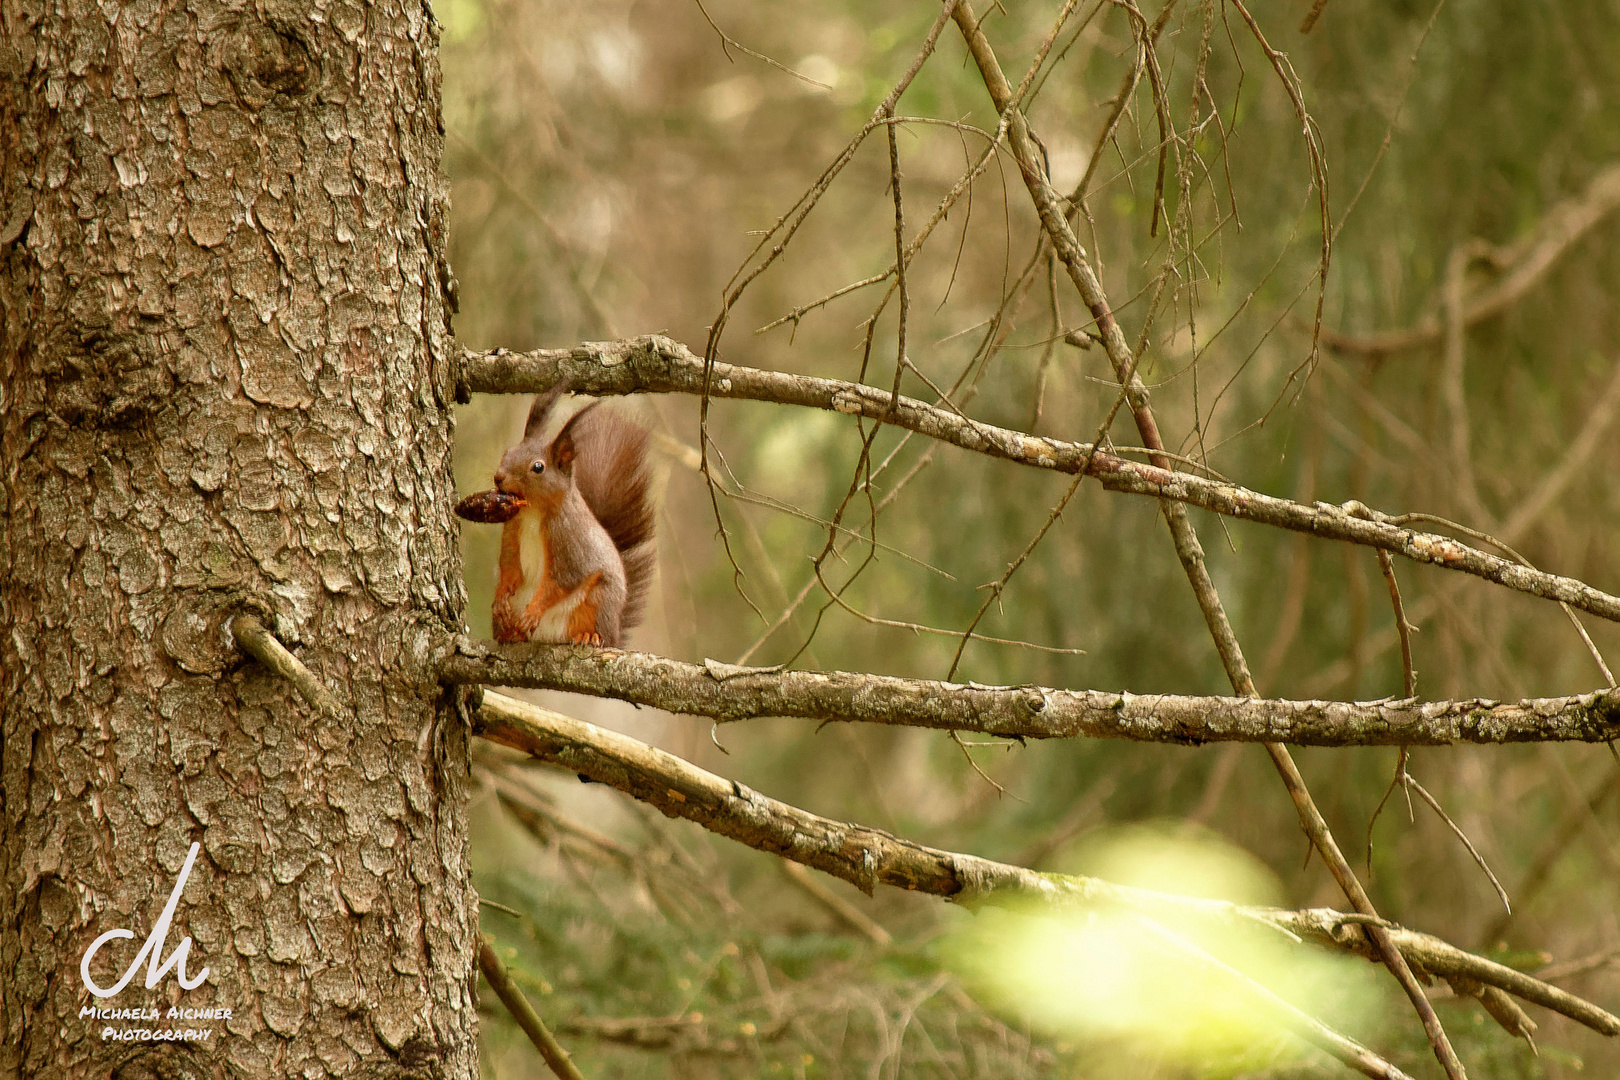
{"x":1401,"y":759}
{"x":485,"y":901}
{"x":1055,"y":224}
{"x":994,"y":589}
{"x":956,"y":737}
{"x":783,"y":231}
{"x":262,"y":645}
{"x":729,"y":42}
{"x":544,"y":1041}
{"x":1410,"y":781}
{"x":1319,"y":180}
{"x":1309,"y":22}
{"x":963,"y":186}
{"x":1486,"y":538}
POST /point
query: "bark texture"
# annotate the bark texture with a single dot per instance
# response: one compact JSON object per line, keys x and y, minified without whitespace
{"x":225,"y":380}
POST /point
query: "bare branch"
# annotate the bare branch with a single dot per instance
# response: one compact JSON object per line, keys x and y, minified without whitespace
{"x":656,"y":364}
{"x":728,"y":693}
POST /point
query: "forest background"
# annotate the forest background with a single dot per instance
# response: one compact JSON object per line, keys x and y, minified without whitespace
{"x":612,"y":165}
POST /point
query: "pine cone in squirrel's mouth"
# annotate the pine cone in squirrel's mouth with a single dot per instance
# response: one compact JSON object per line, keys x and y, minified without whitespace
{"x":490,"y":507}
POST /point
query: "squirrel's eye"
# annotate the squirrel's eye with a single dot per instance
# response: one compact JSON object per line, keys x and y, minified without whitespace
{"x":538,"y":467}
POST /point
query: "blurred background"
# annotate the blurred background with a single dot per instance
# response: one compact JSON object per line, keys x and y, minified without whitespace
{"x":615,"y":164}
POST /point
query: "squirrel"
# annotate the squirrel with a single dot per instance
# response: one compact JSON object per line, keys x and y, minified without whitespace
{"x":577,"y":557}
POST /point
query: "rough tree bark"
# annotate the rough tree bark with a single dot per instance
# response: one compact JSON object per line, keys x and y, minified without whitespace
{"x":227,"y":380}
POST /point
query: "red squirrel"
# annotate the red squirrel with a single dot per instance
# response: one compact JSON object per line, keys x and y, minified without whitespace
{"x":577,"y":557}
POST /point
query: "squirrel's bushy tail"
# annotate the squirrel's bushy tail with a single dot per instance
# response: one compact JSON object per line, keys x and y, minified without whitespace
{"x":612,"y":475}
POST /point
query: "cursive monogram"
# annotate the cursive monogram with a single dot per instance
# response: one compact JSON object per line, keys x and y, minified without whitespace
{"x":153,"y":948}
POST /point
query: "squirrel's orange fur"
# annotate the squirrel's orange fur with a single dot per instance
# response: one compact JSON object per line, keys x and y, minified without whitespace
{"x":576,"y":561}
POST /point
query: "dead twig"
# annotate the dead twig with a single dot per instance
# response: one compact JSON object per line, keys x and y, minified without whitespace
{"x":851,"y":915}
{"x":1308,"y":23}
{"x":1186,"y":542}
{"x":727,"y":43}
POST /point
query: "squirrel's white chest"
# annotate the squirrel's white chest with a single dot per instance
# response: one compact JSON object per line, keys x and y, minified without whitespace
{"x":534,"y":575}
{"x":531,"y":559}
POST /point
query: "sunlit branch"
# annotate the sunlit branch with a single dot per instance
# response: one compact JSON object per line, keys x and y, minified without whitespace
{"x":867,"y":857}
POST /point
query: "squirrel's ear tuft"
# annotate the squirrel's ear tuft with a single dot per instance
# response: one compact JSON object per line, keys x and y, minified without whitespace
{"x":540,"y":411}
{"x":563,"y":450}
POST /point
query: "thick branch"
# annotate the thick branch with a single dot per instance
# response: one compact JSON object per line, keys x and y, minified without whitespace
{"x":726,"y":693}
{"x":655,"y":364}
{"x":868,"y":857}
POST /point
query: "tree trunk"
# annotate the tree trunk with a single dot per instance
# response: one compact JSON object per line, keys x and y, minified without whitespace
{"x":227,"y":378}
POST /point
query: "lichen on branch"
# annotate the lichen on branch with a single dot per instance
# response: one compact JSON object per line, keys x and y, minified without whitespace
{"x":728,"y":693}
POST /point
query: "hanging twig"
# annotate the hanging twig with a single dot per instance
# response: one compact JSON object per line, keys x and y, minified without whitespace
{"x":1404,"y":628}
{"x":1187,"y":546}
